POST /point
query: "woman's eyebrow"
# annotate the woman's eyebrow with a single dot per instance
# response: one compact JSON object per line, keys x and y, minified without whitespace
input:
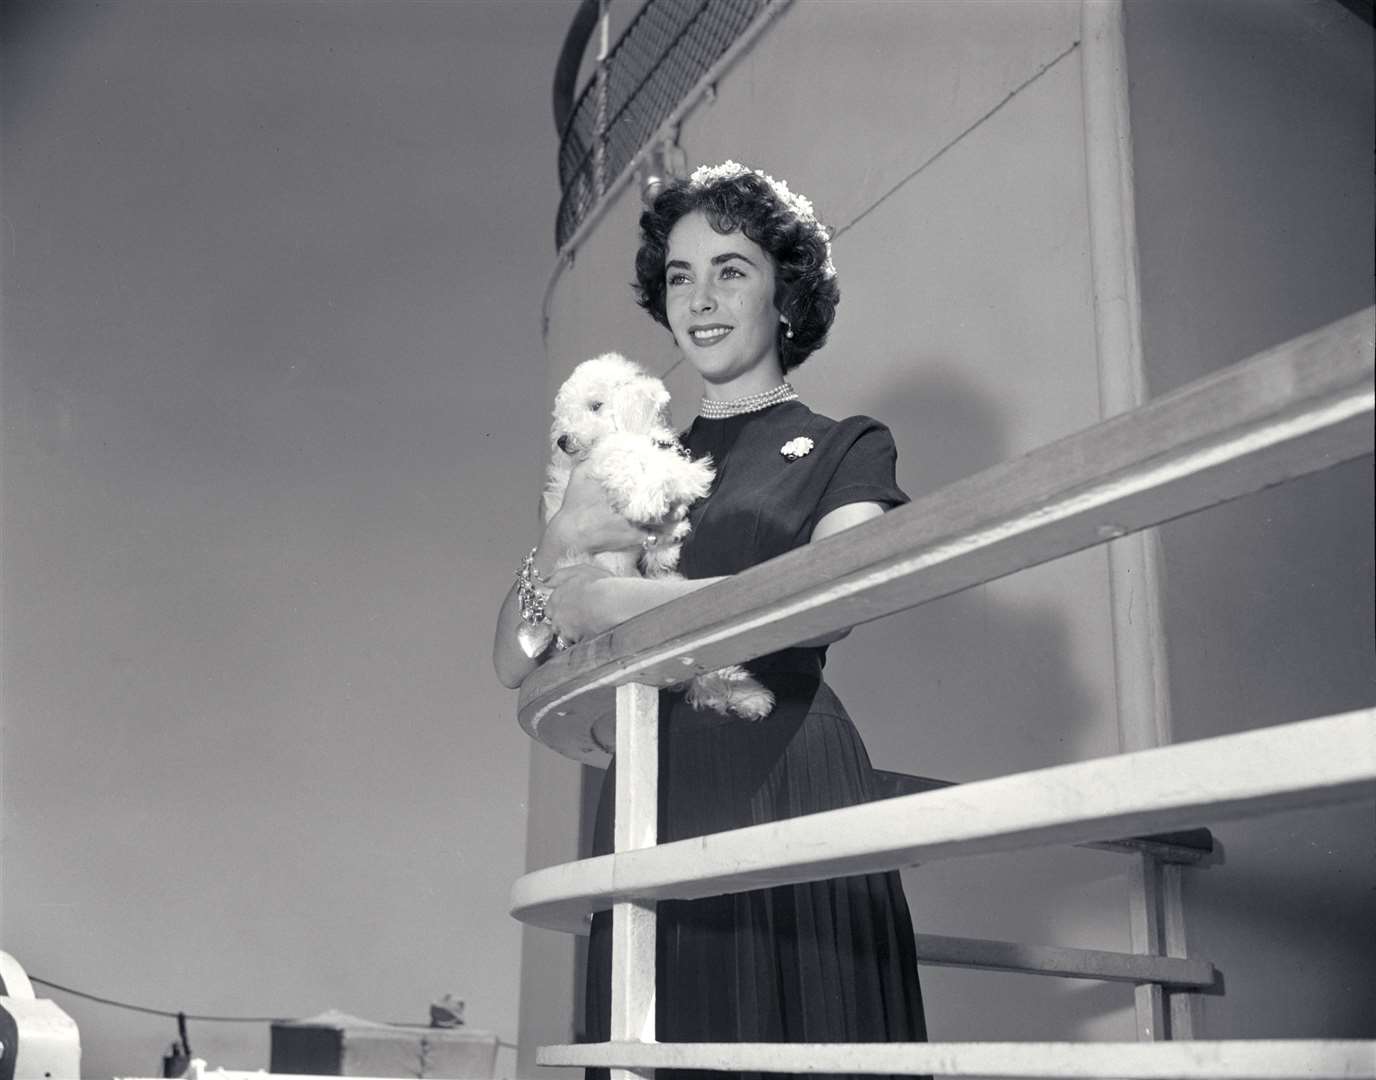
{"x":717,"y":260}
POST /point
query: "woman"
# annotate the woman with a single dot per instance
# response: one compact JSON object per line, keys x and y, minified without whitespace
{"x":739,"y":270}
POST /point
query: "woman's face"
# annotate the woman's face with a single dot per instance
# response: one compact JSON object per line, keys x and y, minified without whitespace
{"x":719,"y":297}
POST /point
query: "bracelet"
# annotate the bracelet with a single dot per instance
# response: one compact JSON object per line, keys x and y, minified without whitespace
{"x":536,"y":634}
{"x":532,"y":599}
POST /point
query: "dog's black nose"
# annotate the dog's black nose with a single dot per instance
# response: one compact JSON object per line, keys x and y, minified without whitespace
{"x":565,"y":444}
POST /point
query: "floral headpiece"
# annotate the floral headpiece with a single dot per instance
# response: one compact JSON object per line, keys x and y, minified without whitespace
{"x":798,"y":205}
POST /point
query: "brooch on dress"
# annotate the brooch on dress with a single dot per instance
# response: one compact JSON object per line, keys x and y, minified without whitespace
{"x":796,"y":448}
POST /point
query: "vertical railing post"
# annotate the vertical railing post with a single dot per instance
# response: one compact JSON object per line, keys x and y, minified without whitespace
{"x":637,"y":826}
{"x":1146,"y":926}
{"x":1183,"y":1004}
{"x":1134,"y":562}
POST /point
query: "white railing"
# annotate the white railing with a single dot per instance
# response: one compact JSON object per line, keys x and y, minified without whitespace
{"x":1232,"y":1059}
{"x":1332,"y":759}
{"x":1292,"y":410}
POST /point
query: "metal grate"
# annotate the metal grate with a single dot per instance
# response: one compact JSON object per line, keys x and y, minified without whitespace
{"x":663,"y":53}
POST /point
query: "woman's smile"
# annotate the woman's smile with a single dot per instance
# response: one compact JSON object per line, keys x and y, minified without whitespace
{"x":707,"y":336}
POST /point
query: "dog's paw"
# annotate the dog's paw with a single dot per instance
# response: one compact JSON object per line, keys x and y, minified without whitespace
{"x":691,"y":480}
{"x":631,"y":471}
{"x":746,"y":696}
{"x":659,"y":560}
{"x":703,"y":692}
{"x":731,"y":690}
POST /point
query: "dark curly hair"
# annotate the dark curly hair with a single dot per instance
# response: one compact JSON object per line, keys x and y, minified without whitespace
{"x":803,"y":293}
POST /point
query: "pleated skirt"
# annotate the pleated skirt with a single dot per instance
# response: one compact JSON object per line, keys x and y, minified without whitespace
{"x":826,"y":961}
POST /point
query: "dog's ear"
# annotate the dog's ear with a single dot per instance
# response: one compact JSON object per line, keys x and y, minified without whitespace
{"x":640,"y":405}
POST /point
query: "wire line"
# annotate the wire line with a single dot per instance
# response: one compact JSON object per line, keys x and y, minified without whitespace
{"x":933,"y":158}
{"x":154,"y":1012}
{"x":197,"y":1016}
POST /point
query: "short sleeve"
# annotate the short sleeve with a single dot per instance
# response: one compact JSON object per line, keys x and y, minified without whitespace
{"x":866,"y":470}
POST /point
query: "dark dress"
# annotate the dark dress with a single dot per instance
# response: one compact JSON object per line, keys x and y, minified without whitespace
{"x":828,"y":961}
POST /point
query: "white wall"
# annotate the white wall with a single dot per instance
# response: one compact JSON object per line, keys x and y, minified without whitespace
{"x":273,"y":431}
{"x":1253,"y":139}
{"x":946,"y":140}
{"x":966,"y":323}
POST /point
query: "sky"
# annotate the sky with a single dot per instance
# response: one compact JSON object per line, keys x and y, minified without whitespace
{"x":273,"y":422}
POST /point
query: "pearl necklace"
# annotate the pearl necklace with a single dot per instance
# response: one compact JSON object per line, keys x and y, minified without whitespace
{"x":720,"y":410}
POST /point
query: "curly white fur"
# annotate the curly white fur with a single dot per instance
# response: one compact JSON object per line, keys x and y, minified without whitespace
{"x":615,"y":416}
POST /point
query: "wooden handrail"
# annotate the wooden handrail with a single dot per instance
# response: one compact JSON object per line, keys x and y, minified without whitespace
{"x":1224,"y":1059}
{"x":1309,"y":763}
{"x":1189,"y":847}
{"x":1294,"y":409}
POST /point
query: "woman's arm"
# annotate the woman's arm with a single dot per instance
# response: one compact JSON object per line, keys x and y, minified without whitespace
{"x":846,"y":517}
{"x":587,"y":601}
{"x":510,"y":661}
{"x":583,"y":524}
{"x":838,"y":520}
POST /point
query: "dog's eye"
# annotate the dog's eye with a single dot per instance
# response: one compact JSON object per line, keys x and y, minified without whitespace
{"x":595,"y":406}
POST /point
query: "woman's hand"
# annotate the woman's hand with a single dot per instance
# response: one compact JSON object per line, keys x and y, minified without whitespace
{"x":585,"y":524}
{"x":577,"y":606}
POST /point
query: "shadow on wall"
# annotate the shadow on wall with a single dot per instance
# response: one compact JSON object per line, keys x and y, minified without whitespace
{"x":984,"y":682}
{"x":1302,"y":883}
{"x":1271,"y":601}
{"x":990,"y":681}
{"x":945,"y":427}
{"x":1272,"y":597}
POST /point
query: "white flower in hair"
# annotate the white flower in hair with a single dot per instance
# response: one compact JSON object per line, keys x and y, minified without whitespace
{"x":796,"y":448}
{"x":704,"y":175}
{"x":799,"y":205}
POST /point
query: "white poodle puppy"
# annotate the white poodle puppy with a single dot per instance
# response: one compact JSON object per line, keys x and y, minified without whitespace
{"x":614,"y":416}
